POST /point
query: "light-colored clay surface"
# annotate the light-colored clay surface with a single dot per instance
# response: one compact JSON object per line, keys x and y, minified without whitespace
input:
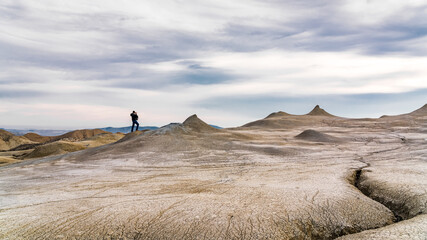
{"x":191,"y":181}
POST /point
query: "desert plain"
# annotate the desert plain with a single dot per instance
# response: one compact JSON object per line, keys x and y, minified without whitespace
{"x":312,"y":176}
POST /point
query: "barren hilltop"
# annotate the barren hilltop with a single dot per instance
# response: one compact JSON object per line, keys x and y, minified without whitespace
{"x":312,"y":176}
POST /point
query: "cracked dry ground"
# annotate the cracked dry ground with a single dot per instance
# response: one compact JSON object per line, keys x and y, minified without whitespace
{"x":188,"y":181}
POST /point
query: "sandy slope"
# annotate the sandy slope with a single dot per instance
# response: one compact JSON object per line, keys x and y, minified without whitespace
{"x":9,"y":140}
{"x":191,"y":181}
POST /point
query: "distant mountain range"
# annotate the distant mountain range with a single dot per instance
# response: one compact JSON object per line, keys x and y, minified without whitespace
{"x":20,"y":132}
{"x":127,"y":129}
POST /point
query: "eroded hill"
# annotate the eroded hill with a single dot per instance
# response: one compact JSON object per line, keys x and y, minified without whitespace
{"x":32,"y":145}
{"x":9,"y":140}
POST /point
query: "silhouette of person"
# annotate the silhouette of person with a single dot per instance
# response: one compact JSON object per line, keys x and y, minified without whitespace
{"x":134,"y":116}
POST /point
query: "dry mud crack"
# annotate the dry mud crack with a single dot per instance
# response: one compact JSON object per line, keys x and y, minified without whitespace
{"x":396,"y":207}
{"x":408,"y":208}
{"x":365,"y":190}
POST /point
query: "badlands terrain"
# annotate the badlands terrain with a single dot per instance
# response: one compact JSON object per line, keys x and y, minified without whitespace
{"x":313,"y":176}
{"x":15,"y":149}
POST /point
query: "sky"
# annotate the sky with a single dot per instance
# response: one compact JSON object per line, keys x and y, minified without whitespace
{"x":87,"y":64}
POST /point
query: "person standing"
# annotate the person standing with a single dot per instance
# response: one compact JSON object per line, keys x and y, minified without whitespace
{"x":134,"y":116}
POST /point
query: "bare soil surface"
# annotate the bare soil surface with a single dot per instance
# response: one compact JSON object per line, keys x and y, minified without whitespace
{"x":258,"y":181}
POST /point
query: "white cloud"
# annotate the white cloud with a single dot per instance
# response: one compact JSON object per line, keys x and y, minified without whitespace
{"x":373,"y":12}
{"x":163,"y":57}
{"x":302,"y":73}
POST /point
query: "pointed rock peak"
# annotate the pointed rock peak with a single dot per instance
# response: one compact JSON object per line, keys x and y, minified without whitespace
{"x":318,"y":111}
{"x":278,"y":114}
{"x":197,"y":124}
{"x":423,"y":107}
{"x":420,"y":111}
{"x":192,"y":119}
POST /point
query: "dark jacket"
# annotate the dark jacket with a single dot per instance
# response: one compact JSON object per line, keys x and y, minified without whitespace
{"x":134,"y":116}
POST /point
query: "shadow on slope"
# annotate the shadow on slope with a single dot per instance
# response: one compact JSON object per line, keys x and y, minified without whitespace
{"x":70,"y":142}
{"x":54,"y":148}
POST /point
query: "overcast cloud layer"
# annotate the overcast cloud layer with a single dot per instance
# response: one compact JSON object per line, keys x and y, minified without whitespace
{"x":78,"y":64}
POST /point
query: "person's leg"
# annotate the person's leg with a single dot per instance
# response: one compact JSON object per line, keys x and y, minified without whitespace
{"x":137,"y":125}
{"x":133,"y":124}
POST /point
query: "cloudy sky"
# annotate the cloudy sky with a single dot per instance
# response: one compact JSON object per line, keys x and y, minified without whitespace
{"x":83,"y":64}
